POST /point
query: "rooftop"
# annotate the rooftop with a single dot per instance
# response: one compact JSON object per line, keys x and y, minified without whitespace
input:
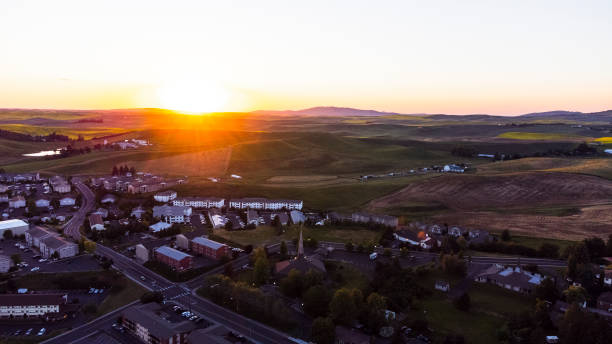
{"x":8,"y":224}
{"x":172,"y":253}
{"x":208,"y":243}
{"x":158,"y":322}
{"x":31,"y":299}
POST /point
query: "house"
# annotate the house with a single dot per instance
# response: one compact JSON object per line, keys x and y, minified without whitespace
{"x":56,"y":244}
{"x":427,"y":243}
{"x":301,"y":262}
{"x":42,"y":202}
{"x":174,"y":258}
{"x":283,"y":218}
{"x":172,"y":214}
{"x":138,"y":212}
{"x":407,"y":237}
{"x":456,"y":231}
{"x":16,"y":226}
{"x":608,"y":278}
{"x":453,"y":168}
{"x":34,"y":235}
{"x":216,"y":218}
{"x":102,"y":212}
{"x":151,"y":323}
{"x":4,"y":188}
{"x":142,"y":253}
{"x":31,"y":305}
{"x":199,"y":202}
{"x":209,"y":248}
{"x":160,"y":226}
{"x":435,"y":229}
{"x":265,"y":204}
{"x":604,"y":301}
{"x":389,"y":221}
{"x":108,"y":198}
{"x":4,"y":198}
{"x":67,"y":201}
{"x":297,"y":217}
{"x":61,"y":188}
{"x":512,"y":278}
{"x":5,"y":263}
{"x":252,"y":217}
{"x":442,"y":286}
{"x":165,"y":196}
{"x":95,"y":222}
{"x":17,"y":202}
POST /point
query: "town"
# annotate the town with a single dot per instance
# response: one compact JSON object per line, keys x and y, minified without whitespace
{"x":132,"y":228}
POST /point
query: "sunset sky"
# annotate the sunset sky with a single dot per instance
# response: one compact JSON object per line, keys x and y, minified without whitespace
{"x":457,"y":57}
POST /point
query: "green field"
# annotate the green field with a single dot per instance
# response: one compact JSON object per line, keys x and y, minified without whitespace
{"x":131,"y":292}
{"x":265,"y":235}
{"x":519,"y":135}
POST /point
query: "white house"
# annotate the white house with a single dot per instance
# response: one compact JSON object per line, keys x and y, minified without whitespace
{"x":608,"y":278}
{"x":34,"y":235}
{"x":31,"y":305}
{"x":160,"y":226}
{"x":142,"y":253}
{"x":95,"y":222}
{"x":17,"y":202}
{"x":408,"y":237}
{"x":17,"y":227}
{"x":172,"y":214}
{"x":42,"y":202}
{"x":453,"y":168}
{"x":61,"y":188}
{"x":165,"y":196}
{"x":199,"y":202}
{"x":263,"y":203}
{"x":5,"y":263}
{"x":103,"y":212}
{"x":138,"y":212}
{"x":442,"y":286}
{"x":55,"y":244}
{"x":67,"y":201}
{"x":108,"y":199}
{"x":427,"y":243}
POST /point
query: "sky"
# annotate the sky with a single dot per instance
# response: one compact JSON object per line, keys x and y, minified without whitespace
{"x":455,"y":57}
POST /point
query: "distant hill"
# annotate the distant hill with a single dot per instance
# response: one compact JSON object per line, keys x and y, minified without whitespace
{"x":605,"y":116}
{"x":328,"y":111}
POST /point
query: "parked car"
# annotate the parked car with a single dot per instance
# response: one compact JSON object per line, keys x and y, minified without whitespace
{"x":28,"y":332}
{"x":373,"y":256}
{"x":42,"y":331}
{"x":36,"y":268}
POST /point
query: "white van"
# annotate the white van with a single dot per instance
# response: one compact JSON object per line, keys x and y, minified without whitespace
{"x":373,"y":256}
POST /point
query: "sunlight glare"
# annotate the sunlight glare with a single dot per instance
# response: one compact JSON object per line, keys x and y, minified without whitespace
{"x":193,"y":96}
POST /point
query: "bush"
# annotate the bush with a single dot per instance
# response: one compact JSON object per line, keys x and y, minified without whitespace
{"x":462,"y":302}
{"x":323,"y":331}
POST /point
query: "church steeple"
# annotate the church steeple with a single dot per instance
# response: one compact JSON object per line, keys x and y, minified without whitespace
{"x":300,"y":253}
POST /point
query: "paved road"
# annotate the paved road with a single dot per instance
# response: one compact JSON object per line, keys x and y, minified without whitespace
{"x":181,"y":293}
{"x":71,"y":228}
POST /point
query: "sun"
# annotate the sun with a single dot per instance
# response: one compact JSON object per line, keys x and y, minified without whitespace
{"x":193,"y":96}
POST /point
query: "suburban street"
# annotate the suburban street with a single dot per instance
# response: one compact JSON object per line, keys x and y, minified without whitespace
{"x":181,"y":293}
{"x":71,"y":228}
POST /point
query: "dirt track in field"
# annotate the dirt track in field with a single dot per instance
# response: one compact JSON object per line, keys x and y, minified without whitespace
{"x":472,"y":192}
{"x":487,"y":202}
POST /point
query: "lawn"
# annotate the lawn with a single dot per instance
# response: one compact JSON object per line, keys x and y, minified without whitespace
{"x":535,"y":243}
{"x":445,"y":319}
{"x":489,"y":298}
{"x":131,"y":292}
{"x":347,"y":276}
{"x":265,"y":235}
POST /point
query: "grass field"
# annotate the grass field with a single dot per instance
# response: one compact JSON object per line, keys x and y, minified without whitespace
{"x":265,"y":235}
{"x":519,"y":135}
{"x":494,"y":300}
{"x":131,"y":292}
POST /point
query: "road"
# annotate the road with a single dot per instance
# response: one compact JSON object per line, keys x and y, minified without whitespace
{"x":71,"y":228}
{"x":181,"y":293}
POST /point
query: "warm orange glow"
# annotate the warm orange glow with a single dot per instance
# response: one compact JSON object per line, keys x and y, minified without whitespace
{"x":193,"y":96}
{"x":422,"y":235}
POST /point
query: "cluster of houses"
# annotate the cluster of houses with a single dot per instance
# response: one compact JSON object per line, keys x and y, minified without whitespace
{"x":16,"y":190}
{"x":427,"y":236}
{"x":182,"y":257}
{"x":140,"y":182}
{"x":130,"y":144}
{"x":50,"y":243}
{"x":45,"y":306}
{"x":512,"y":278}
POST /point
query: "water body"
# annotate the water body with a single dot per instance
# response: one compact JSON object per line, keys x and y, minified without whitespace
{"x":44,"y":153}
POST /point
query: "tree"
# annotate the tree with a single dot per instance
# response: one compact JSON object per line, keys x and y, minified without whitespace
{"x":505,"y":236}
{"x":316,"y":301}
{"x":609,"y":246}
{"x":323,"y":331}
{"x":16,"y":258}
{"x":462,"y":302}
{"x":375,"y":311}
{"x":283,"y":250}
{"x":548,"y":250}
{"x":546,"y":290}
{"x":115,"y":171}
{"x":229,"y":225}
{"x":454,"y":265}
{"x":8,"y":234}
{"x":462,"y":243}
{"x":342,"y":307}
{"x":575,"y":294}
{"x":596,"y":247}
{"x":89,"y":246}
{"x":292,"y":284}
{"x":261,"y":270}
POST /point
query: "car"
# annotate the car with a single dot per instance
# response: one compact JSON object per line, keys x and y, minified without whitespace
{"x":186,"y":314}
{"x":101,"y":291}
{"x":36,"y":256}
{"x":175,"y":308}
{"x":193,"y":317}
{"x":42,"y":260}
{"x":42,"y":331}
{"x":142,"y":278}
{"x":17,"y":244}
{"x":28,"y":332}
{"x":36,"y":268}
{"x":16,"y":333}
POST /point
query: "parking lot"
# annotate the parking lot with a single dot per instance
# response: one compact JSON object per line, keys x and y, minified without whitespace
{"x":31,"y":259}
